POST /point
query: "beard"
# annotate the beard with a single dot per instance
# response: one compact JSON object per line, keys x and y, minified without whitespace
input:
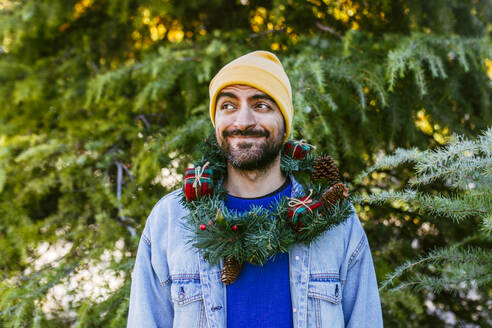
{"x":251,"y":156}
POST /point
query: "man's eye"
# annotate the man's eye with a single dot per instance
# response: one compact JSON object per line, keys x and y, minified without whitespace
{"x":263,"y":106}
{"x":227,"y":106}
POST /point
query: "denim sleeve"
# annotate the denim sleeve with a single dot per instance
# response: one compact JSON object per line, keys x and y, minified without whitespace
{"x":360,"y":299}
{"x":150,"y":301}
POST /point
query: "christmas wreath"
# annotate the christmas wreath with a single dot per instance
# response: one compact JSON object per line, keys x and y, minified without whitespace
{"x":260,"y":233}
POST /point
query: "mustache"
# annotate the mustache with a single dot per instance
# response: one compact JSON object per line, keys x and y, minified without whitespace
{"x":247,"y":132}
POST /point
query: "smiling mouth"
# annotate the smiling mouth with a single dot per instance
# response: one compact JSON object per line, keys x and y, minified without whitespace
{"x":248,"y":133}
{"x":246,"y":139}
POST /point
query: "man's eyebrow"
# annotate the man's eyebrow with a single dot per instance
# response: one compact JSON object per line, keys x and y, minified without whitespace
{"x":226,"y":94}
{"x":262,"y":96}
{"x":253,"y":97}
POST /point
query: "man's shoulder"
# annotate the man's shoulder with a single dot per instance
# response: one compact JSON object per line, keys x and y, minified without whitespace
{"x":354,"y":234}
{"x":171,"y":199}
{"x":355,"y":239}
{"x":348,"y":235}
{"x":344,"y":241}
{"x":350,"y":228}
{"x":165,"y":212}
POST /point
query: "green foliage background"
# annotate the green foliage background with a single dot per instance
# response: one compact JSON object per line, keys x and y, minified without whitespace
{"x":103,"y":102}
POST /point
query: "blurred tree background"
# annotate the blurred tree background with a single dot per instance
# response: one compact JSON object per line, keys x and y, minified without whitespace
{"x":103,"y":102}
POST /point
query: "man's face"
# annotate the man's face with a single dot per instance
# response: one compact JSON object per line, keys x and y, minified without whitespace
{"x":249,"y":127}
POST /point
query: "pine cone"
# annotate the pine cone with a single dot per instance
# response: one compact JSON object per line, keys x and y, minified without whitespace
{"x":231,"y":270}
{"x":324,"y":167}
{"x":336,"y":193}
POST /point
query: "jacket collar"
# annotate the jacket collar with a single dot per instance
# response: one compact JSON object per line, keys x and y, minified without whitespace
{"x":297,"y":188}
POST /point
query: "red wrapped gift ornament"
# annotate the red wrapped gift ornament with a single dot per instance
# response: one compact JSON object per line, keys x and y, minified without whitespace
{"x":198,"y":182}
{"x":297,"y":149}
{"x":299,"y":207}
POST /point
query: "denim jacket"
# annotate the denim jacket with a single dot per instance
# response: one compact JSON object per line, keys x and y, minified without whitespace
{"x":332,"y":280}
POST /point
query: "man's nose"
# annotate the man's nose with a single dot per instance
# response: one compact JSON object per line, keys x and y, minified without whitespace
{"x":245,"y":117}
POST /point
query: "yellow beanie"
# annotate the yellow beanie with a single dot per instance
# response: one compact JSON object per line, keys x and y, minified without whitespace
{"x":261,"y":70}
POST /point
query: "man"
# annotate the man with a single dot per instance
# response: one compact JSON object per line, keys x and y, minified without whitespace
{"x":328,"y":283}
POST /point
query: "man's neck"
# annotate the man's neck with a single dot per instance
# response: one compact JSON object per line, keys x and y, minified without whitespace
{"x":251,"y":184}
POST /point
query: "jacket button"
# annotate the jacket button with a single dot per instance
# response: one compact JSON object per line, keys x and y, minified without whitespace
{"x":181,"y":296}
{"x":294,"y":310}
{"x":297,"y":258}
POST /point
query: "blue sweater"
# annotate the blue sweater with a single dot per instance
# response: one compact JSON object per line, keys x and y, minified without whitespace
{"x":260,"y":297}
